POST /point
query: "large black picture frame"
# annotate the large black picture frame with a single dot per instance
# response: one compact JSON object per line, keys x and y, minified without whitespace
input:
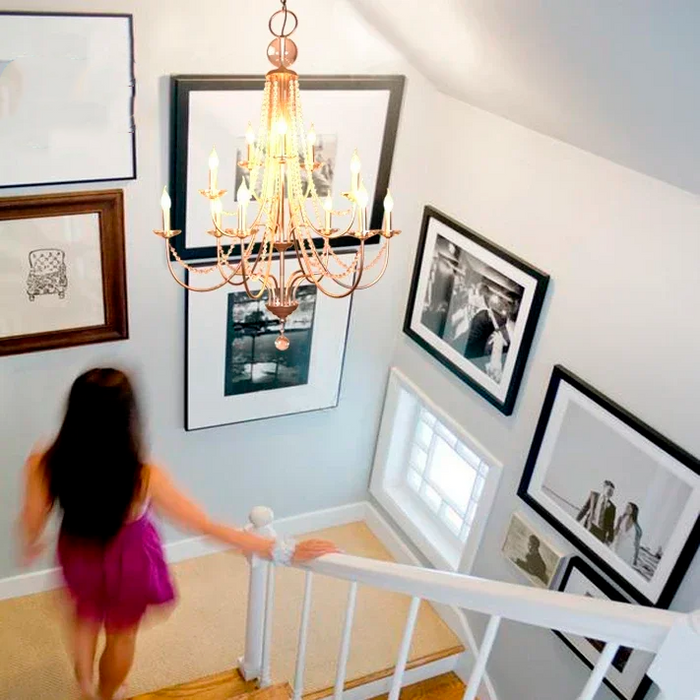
{"x":612,"y":593}
{"x":182,"y":86}
{"x":500,"y":265}
{"x":543,"y":486}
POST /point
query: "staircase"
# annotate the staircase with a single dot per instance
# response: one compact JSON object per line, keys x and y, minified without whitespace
{"x":231,"y":686}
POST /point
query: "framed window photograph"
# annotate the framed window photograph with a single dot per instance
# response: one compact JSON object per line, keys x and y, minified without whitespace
{"x":234,"y":371}
{"x":66,"y":98}
{"x":624,"y":494}
{"x":348,"y":113}
{"x":627,"y":675}
{"x":474,"y":307}
{"x":62,"y":271}
{"x":530,"y":553}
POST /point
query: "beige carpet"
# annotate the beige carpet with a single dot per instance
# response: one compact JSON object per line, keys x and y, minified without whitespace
{"x":205,"y":633}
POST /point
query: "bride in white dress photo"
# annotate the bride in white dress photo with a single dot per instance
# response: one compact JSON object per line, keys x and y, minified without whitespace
{"x":628,"y":535}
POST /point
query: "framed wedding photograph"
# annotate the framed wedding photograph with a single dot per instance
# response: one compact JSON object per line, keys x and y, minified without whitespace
{"x":474,"y":307}
{"x":66,"y":98}
{"x":234,"y":372}
{"x":530,"y":553}
{"x":625,"y":495}
{"x":627,"y":675}
{"x":62,"y":271}
{"x":348,"y":113}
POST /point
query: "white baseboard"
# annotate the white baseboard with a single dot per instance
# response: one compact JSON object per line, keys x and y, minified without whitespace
{"x":452,"y":616}
{"x":192,"y":547}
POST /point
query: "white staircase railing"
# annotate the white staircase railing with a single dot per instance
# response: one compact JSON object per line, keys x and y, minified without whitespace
{"x":616,"y":624}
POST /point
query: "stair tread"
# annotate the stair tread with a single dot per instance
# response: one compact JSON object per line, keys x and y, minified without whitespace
{"x":283,"y":691}
{"x":385,"y":673}
{"x":222,"y":686}
{"x":446,"y":687}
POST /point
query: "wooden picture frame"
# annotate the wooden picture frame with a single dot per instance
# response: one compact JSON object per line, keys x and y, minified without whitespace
{"x":63,"y":249}
{"x":456,"y":276}
{"x":624,"y":494}
{"x":213,"y":110}
{"x":627,"y":675}
{"x":67,"y":90}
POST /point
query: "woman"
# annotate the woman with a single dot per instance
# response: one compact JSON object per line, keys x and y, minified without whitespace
{"x":628,"y":535}
{"x":110,"y":553}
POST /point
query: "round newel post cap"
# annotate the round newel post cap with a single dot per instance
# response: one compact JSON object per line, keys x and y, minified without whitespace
{"x":261,"y":516}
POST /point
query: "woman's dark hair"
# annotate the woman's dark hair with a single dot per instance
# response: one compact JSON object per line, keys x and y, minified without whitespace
{"x":94,"y":467}
{"x":635,"y":511}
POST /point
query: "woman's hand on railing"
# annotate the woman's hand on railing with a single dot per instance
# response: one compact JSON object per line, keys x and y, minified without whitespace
{"x":313,"y":549}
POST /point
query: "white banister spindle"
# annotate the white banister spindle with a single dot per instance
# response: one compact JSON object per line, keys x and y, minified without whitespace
{"x":303,"y":637}
{"x":595,"y":680}
{"x":480,"y":664}
{"x":404,"y":649}
{"x":345,"y":644}
{"x":265,"y":676}
{"x":251,"y":664}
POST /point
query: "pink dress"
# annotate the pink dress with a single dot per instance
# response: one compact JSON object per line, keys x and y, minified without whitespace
{"x":116,"y":584}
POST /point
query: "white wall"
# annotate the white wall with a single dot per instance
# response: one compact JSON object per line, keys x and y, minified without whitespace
{"x":292,"y":464}
{"x":622,"y":250}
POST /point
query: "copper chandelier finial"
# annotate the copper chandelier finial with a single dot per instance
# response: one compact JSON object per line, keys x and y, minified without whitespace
{"x":280,"y":234}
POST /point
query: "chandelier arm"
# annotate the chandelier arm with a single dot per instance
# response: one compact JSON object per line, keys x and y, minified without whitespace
{"x":355,"y":285}
{"x":186,"y":286}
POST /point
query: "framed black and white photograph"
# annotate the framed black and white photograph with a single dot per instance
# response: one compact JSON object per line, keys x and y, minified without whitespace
{"x":627,"y":675}
{"x":62,"y":271}
{"x":66,"y":98}
{"x":474,"y":307}
{"x":624,"y":494}
{"x":530,"y":553}
{"x":348,"y":113}
{"x":235,"y":373}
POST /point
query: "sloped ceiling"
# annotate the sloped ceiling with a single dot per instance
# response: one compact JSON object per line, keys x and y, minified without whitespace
{"x":618,"y":78}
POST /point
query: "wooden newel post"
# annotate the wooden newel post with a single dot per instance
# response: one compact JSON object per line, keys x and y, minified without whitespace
{"x":250,"y":665}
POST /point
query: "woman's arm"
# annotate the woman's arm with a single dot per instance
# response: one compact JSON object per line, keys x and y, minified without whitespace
{"x":181,"y":510}
{"x":36,"y":508}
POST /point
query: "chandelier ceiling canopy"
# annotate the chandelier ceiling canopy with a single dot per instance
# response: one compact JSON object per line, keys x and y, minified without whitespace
{"x":278,"y":216}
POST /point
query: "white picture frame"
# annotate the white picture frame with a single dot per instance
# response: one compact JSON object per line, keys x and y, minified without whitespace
{"x":66,"y":98}
{"x":234,"y":373}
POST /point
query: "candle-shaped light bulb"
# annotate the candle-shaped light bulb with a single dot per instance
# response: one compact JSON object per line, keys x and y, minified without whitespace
{"x":328,"y":206}
{"x":362,"y":196}
{"x":250,"y":135}
{"x":250,"y":138}
{"x":165,"y":205}
{"x":282,"y":132}
{"x":355,"y":167}
{"x":388,"y":208}
{"x":243,"y":194}
{"x":282,"y":126}
{"x":213,"y":169}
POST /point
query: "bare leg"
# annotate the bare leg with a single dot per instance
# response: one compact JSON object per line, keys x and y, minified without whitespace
{"x":85,"y":635}
{"x":116,"y":661}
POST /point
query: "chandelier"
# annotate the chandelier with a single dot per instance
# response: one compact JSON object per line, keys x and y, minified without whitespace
{"x":279,"y":216}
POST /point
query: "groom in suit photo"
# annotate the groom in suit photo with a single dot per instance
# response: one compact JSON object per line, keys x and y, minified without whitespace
{"x":598,"y":513}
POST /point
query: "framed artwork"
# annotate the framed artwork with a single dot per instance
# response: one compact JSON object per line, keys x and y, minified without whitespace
{"x":348,"y":112}
{"x":624,"y":494}
{"x":530,"y":553}
{"x":66,"y":98}
{"x":62,"y":271}
{"x":627,"y":675}
{"x":234,"y":372}
{"x":474,"y":307}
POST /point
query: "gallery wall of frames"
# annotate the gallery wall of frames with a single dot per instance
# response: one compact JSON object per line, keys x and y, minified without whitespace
{"x":624,"y":496}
